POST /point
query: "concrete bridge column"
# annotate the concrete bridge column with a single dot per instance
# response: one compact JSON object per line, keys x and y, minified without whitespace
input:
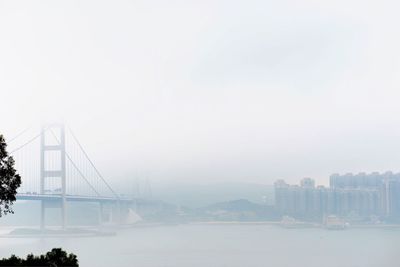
{"x":42,"y":215}
{"x":59,"y":174}
{"x":119,"y":219}
{"x":101,"y":213}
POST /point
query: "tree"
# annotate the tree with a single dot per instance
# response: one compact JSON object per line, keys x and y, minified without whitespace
{"x":58,"y":257}
{"x":11,"y":261}
{"x":9,"y":179}
{"x":54,"y":258}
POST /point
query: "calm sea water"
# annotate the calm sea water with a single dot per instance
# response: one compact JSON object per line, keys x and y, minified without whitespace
{"x":225,"y":245}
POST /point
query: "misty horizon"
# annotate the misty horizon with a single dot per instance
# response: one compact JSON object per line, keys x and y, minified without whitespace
{"x":200,"y":133}
{"x":205,"y":96}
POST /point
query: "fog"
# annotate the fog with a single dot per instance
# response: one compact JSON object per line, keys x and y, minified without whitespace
{"x":229,"y":246}
{"x":209,"y":91}
{"x":195,"y":124}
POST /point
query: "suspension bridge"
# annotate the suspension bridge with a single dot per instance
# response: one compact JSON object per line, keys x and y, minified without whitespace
{"x":55,"y":172}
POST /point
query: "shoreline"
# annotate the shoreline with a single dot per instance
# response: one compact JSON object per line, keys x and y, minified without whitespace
{"x":73,"y":233}
{"x":26,"y":232}
{"x":299,"y":224}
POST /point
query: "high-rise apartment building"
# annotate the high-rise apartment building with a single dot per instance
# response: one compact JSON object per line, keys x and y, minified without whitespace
{"x":358,"y":197}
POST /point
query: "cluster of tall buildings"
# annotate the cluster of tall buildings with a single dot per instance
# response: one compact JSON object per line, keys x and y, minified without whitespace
{"x":355,"y":197}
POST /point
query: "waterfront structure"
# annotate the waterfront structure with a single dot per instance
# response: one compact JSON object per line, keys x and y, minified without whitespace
{"x":354,"y":199}
{"x":361,"y":180}
{"x":390,"y":203}
{"x":388,"y":185}
{"x":58,"y":173}
{"x":334,"y":223}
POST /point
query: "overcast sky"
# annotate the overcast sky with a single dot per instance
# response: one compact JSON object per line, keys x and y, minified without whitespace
{"x":209,"y":91}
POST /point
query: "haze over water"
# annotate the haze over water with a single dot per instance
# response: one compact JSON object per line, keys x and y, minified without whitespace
{"x":189,"y":111}
{"x":225,"y":246}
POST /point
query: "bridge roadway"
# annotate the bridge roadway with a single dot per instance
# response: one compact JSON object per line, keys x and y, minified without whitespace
{"x":58,"y":197}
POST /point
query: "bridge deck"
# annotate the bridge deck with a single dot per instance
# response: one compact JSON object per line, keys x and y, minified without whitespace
{"x":58,"y":197}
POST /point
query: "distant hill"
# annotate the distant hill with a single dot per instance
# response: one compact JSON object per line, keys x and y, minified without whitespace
{"x":236,"y":205}
{"x":196,"y":196}
{"x":238,"y":210}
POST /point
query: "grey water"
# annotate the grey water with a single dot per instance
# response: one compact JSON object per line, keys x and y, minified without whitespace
{"x":224,"y":246}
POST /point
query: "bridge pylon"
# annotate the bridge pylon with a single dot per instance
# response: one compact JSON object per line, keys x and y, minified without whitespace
{"x":53,"y":173}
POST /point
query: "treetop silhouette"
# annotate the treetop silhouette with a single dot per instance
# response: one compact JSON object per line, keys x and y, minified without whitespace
{"x":9,"y":179}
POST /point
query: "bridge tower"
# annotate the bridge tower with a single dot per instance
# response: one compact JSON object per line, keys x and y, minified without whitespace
{"x":52,"y":169}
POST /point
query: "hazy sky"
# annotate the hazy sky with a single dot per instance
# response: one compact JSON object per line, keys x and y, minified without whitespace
{"x":209,"y":90}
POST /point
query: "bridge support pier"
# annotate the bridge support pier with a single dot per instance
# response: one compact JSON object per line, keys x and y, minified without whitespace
{"x":63,"y":213}
{"x":101,"y":213}
{"x":42,"y":215}
{"x":53,"y":204}
{"x":119,"y":219}
{"x":54,"y":176}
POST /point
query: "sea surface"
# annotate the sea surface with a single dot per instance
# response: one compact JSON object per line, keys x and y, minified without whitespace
{"x":224,"y":245}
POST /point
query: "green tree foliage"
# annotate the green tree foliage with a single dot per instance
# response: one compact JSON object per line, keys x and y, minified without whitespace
{"x":54,"y":258}
{"x":9,"y":179}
